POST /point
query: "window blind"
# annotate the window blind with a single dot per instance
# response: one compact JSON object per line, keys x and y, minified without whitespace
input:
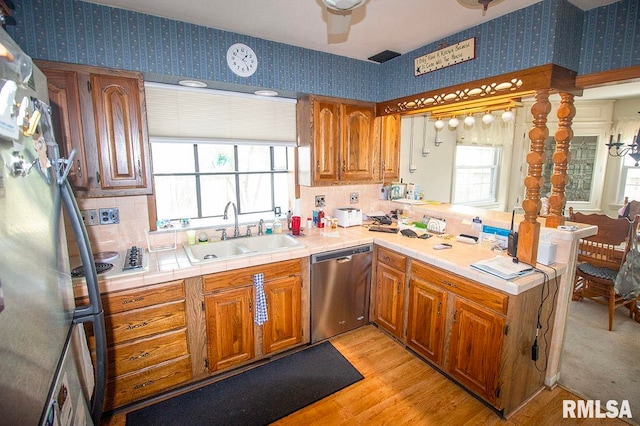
{"x":203,"y":114}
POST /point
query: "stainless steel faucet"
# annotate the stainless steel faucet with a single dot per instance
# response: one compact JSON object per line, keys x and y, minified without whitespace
{"x":261,"y":227}
{"x":225,"y":216}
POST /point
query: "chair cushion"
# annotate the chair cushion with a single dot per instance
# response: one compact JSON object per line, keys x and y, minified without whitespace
{"x":597,"y":271}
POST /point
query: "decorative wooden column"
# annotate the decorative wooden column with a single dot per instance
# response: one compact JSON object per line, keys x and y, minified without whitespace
{"x":561,"y":157}
{"x":529,"y":230}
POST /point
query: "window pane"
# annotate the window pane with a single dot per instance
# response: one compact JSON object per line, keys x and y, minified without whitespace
{"x":254,"y":158}
{"x":281,"y":192}
{"x":216,"y":192}
{"x":476,"y":174}
{"x":279,"y":158}
{"x":632,"y":184}
{"x":215,"y":158}
{"x":255,"y":192}
{"x":580,"y":169}
{"x":176,"y":197}
{"x":172,"y":158}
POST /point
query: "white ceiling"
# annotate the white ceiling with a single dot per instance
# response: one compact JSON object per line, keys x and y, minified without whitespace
{"x":396,"y":25}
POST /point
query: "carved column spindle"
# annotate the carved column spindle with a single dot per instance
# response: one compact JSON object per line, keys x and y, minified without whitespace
{"x":561,"y":157}
{"x":529,"y":230}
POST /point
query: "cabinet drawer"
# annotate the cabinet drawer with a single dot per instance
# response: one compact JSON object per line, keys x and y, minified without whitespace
{"x":142,"y":297}
{"x":244,"y":276}
{"x":142,"y":322}
{"x":131,"y":387}
{"x":393,"y":259}
{"x":144,"y":353}
{"x":470,"y":290}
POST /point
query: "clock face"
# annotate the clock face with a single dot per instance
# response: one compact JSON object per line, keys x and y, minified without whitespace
{"x":242,"y":60}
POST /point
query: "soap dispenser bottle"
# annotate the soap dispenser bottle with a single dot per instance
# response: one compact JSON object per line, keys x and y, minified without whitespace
{"x":277,"y":226}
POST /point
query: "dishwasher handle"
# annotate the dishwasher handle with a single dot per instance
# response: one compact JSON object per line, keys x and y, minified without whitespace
{"x":345,"y":259}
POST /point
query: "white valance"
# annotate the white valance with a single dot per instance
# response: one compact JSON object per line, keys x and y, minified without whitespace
{"x":206,"y":114}
{"x":496,"y":133}
{"x":625,"y":129}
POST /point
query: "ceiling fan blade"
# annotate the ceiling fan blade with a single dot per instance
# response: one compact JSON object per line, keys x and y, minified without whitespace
{"x":338,"y":22}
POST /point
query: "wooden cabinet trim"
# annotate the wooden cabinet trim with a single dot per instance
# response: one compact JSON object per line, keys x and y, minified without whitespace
{"x":241,"y":277}
{"x":478,"y":293}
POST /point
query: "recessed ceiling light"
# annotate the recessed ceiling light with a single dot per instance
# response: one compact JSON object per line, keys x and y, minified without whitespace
{"x":192,"y":83}
{"x":266,"y":93}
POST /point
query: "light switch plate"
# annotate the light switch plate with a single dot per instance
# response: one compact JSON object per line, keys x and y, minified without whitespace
{"x":90,"y":217}
{"x":320,"y":201}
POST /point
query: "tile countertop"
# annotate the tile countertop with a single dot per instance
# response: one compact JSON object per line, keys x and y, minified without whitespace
{"x":173,"y":264}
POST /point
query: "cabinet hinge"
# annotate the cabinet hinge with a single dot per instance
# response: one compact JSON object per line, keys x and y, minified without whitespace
{"x":506,"y":330}
{"x":89,"y":86}
{"x":206,"y":363}
{"x":202,"y":304}
{"x":498,"y":392}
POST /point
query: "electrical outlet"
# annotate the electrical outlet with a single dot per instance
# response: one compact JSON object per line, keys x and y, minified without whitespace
{"x":319,"y":200}
{"x":354,"y":198}
{"x":90,"y":217}
{"x":108,"y":216}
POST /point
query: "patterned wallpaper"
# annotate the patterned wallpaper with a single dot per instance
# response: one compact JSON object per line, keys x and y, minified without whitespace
{"x":166,"y":50}
{"x":611,"y":38}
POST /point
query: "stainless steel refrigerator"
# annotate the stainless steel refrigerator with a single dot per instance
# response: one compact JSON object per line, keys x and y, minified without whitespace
{"x":47,"y":375}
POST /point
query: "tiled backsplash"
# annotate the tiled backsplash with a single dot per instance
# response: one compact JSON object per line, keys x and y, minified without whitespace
{"x":134,"y":219}
{"x":131,"y":230}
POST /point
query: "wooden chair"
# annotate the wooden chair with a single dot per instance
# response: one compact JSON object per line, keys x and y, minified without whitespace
{"x":599,"y":259}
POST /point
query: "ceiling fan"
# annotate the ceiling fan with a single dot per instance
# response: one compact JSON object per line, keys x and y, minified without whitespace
{"x":339,"y":14}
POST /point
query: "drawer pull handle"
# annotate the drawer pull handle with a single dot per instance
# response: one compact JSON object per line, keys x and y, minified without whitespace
{"x":144,"y":355}
{"x":143,"y":385}
{"x":137,"y":299}
{"x":448,"y":283}
{"x":134,"y":326}
{"x":139,"y":169}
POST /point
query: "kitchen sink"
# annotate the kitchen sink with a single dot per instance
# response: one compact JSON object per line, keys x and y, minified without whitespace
{"x":246,"y":246}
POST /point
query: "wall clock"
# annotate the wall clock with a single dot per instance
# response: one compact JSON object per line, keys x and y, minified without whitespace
{"x":242,"y":59}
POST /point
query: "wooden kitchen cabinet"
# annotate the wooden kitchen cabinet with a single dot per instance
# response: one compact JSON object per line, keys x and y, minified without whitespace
{"x":229,"y":302}
{"x":387,"y":129}
{"x":147,"y":342}
{"x":102,"y":114}
{"x":229,"y":316}
{"x":426,"y":319}
{"x":479,"y":336}
{"x":283,"y":329}
{"x":336,"y":142}
{"x":476,"y":348}
{"x":389,"y":294}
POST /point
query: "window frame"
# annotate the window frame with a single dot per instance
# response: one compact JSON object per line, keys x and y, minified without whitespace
{"x":216,"y":219}
{"x":496,"y":167}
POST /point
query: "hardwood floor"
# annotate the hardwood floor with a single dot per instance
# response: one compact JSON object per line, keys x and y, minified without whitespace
{"x":401,"y":389}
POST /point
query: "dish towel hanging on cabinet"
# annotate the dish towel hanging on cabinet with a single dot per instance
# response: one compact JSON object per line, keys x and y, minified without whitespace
{"x":260,"y":314}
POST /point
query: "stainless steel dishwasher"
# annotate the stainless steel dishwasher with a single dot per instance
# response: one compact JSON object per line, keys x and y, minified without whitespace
{"x":340,"y":287}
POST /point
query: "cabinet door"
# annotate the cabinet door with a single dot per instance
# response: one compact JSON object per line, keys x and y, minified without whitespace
{"x":359,"y":154}
{"x":66,"y":118}
{"x":476,"y":348}
{"x":283,"y":329}
{"x":121,"y":132}
{"x":326,"y":116}
{"x":425,"y":322}
{"x":229,"y":319}
{"x":390,"y":148}
{"x":389,"y":298}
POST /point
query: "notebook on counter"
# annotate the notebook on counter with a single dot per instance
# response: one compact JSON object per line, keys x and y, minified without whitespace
{"x":503,"y":267}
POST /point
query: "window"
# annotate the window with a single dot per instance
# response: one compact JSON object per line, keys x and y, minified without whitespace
{"x":196,"y":180}
{"x":476,"y":174}
{"x":630,"y":179}
{"x":580,"y":169}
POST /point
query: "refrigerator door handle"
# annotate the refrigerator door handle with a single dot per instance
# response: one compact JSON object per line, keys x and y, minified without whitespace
{"x":93,"y":312}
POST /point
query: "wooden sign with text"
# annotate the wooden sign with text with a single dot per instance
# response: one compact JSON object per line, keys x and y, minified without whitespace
{"x":447,"y":56}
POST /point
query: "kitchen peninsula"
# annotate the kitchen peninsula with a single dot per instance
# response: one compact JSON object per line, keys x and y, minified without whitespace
{"x":469,"y":302}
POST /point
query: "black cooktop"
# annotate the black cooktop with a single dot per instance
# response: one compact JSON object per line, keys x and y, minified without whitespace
{"x":101,"y":267}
